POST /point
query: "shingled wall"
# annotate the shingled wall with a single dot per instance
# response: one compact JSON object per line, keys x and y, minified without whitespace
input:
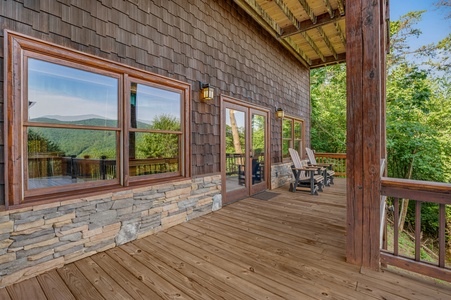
{"x":211,"y":41}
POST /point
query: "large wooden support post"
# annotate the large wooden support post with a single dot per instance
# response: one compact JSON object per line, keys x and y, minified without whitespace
{"x":365,"y":61}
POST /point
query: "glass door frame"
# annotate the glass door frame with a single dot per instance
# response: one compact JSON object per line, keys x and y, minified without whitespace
{"x":249,"y":188}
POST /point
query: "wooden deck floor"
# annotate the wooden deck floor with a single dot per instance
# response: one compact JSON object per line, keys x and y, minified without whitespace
{"x":289,"y":247}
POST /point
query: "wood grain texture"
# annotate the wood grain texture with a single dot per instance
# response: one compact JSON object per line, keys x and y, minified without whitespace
{"x":78,"y":284}
{"x":54,"y":287}
{"x":124,"y":278}
{"x":27,"y":289}
{"x":365,"y":57}
{"x":107,"y":286}
{"x":4,"y":294}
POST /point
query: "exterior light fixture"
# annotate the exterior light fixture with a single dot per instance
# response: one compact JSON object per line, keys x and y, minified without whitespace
{"x":206,"y":91}
{"x":280,"y":113}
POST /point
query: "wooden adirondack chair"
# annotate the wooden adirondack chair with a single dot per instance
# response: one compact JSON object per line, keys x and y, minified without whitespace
{"x":328,"y":172}
{"x":304,"y":176}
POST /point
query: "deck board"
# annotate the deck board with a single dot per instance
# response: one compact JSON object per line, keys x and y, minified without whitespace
{"x":192,"y":288}
{"x":54,"y":287}
{"x":106,"y":286}
{"x":124,"y":278}
{"x":289,"y":247}
{"x":27,"y":289}
{"x":4,"y":294}
{"x":78,"y":284}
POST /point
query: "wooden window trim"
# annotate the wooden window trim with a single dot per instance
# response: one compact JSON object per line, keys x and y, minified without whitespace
{"x":293,"y":139}
{"x":17,"y":46}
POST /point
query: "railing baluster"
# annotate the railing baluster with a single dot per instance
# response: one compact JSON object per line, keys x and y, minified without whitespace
{"x":441,"y":236}
{"x":395,"y":227}
{"x":421,"y":192}
{"x":417,"y":230}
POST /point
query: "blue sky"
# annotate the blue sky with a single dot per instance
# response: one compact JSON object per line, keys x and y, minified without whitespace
{"x":434,"y":25}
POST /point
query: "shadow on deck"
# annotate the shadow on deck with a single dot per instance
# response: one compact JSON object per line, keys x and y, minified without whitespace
{"x":289,"y":247}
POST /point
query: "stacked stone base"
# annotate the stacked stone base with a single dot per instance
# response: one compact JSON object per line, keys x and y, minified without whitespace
{"x":36,"y":239}
{"x":281,"y":174}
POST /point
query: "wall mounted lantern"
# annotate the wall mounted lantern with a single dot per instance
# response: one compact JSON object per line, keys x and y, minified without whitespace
{"x":280,"y":113}
{"x":206,"y":91}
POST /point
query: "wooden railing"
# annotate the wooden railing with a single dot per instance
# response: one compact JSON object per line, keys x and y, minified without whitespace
{"x":393,"y":252}
{"x":86,"y":168}
{"x":234,"y":160}
{"x":95,"y":169}
{"x":337,"y":159}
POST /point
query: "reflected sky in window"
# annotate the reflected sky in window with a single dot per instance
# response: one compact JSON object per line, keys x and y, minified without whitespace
{"x":154,"y":102}
{"x":68,"y":94}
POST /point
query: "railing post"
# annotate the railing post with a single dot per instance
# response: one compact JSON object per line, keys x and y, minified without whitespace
{"x":103,"y":167}
{"x":73,"y":167}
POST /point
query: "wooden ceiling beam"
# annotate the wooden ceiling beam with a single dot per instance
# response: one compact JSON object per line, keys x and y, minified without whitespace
{"x":288,"y":13}
{"x":299,"y":51}
{"x":321,"y":20}
{"x":313,"y":45}
{"x":341,"y":7}
{"x":308,"y":10}
{"x":329,"y":8}
{"x":259,"y":14}
{"x":341,"y":34}
{"x":296,"y":24}
{"x":327,"y":41}
{"x":261,"y":17}
{"x":330,"y":60}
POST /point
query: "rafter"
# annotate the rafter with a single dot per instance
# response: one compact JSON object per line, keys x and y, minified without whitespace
{"x":308,"y":10}
{"x":257,"y":9}
{"x":340,"y":33}
{"x":327,"y":41}
{"x":298,"y":50}
{"x":308,"y":25}
{"x":329,"y":8}
{"x":288,"y":13}
{"x":330,"y":60}
{"x":313,"y":45}
{"x":341,"y":7}
{"x":270,"y":25}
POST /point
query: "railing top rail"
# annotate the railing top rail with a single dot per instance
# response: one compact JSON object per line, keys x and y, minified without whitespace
{"x":429,"y":186}
{"x":334,"y":155}
{"x":427,"y":191}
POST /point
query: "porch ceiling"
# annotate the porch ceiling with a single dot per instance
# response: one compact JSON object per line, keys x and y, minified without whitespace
{"x":313,"y":30}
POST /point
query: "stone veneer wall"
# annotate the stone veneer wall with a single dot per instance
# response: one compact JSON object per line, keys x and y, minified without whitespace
{"x":281,"y":174}
{"x":42,"y":237}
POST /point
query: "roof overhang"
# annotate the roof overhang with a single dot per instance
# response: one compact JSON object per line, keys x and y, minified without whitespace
{"x":312,"y":30}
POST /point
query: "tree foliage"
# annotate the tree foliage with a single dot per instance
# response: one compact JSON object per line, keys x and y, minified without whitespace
{"x":418,"y":107}
{"x":418,"y":112}
{"x":328,"y":98}
{"x":157,"y":145}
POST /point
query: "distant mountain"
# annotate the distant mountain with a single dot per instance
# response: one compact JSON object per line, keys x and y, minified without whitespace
{"x":72,"y":118}
{"x":86,"y":122}
{"x":81,"y":142}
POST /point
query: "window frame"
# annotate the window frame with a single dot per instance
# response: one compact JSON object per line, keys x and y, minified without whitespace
{"x":29,"y":193}
{"x":127,"y":121}
{"x":292,"y":139}
{"x":17,"y":49}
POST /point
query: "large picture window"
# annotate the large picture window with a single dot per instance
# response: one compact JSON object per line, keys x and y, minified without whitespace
{"x":80,"y":123}
{"x":292,"y":136}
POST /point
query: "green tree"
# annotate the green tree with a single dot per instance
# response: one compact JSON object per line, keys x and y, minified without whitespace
{"x":328,"y":119}
{"x":155,"y":145}
{"x":418,"y":111}
{"x":37,"y":143}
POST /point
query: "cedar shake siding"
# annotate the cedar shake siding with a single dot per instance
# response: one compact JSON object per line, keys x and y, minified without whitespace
{"x":213,"y":41}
